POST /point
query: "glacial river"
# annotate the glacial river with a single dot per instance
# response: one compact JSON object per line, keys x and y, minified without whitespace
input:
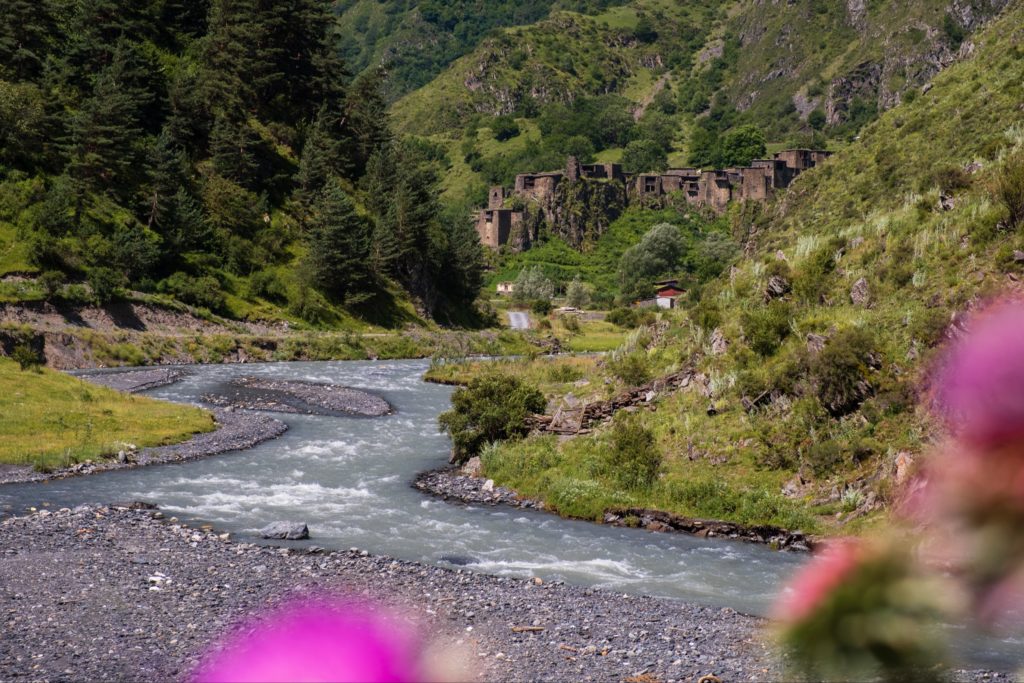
{"x":349,"y":480}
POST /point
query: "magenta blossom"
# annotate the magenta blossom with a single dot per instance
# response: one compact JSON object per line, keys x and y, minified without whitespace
{"x":330,"y":641}
{"x":815,"y":583}
{"x":981,"y":388}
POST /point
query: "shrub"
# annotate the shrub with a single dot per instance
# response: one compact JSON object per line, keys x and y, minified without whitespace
{"x":766,"y":328}
{"x":491,"y":408}
{"x":266,"y":285}
{"x":634,"y":459}
{"x":26,"y":357}
{"x":623,"y":317}
{"x":541,"y":307}
{"x":199,"y":291}
{"x":52,"y":282}
{"x":1010,"y":189}
{"x":841,"y":370}
{"x":105,"y":284}
{"x":824,"y":457}
{"x":812,"y":277}
{"x":577,"y":295}
{"x":565,"y":374}
{"x":571,"y":323}
{"x":633,"y":369}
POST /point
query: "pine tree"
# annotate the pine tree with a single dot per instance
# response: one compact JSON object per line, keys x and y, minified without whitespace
{"x":339,"y":246}
{"x":105,"y":134}
{"x":233,"y":151}
{"x":323,"y":155}
{"x":27,"y":34}
{"x":366,"y":116}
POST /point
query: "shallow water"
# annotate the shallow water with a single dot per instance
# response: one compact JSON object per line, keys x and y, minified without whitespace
{"x":349,"y":479}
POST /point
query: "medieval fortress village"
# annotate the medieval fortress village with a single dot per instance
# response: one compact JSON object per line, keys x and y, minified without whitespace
{"x":499,"y":222}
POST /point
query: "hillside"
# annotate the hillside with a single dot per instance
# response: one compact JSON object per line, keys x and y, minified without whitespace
{"x":668,"y":83}
{"x":414,"y":41}
{"x":811,"y":356}
{"x":218,"y":155}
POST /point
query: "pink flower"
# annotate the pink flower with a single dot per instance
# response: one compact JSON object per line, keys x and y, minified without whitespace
{"x":815,"y":582}
{"x":331,"y":641}
{"x":981,"y":388}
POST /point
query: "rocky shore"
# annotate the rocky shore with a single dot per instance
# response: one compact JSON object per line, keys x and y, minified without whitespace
{"x":114,"y":593}
{"x":236,"y":431}
{"x":455,"y":485}
{"x":120,"y":593}
{"x":134,"y":381}
{"x":298,"y":398}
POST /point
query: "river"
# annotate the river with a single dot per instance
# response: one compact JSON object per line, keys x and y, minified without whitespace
{"x":348,"y":479}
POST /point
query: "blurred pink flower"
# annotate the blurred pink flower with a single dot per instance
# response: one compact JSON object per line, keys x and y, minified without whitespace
{"x":815,"y":582}
{"x":330,"y":641}
{"x":981,"y":386}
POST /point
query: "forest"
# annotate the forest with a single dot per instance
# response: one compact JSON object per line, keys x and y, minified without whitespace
{"x":216,"y":152}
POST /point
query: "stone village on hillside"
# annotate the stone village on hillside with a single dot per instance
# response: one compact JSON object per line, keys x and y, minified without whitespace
{"x":500,"y":224}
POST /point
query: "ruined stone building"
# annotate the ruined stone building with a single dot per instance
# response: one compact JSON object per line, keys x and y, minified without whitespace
{"x":714,"y":189}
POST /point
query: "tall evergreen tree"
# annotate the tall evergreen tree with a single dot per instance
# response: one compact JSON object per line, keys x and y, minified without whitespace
{"x":323,"y":155}
{"x":339,"y":246}
{"x":366,"y":116}
{"x":27,"y":34}
{"x":105,"y":134}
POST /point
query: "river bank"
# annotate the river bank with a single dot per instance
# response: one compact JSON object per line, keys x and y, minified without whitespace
{"x":78,"y":604}
{"x":455,"y":485}
{"x":236,"y":431}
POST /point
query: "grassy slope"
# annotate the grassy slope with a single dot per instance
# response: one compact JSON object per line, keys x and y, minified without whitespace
{"x":51,"y":420}
{"x":799,"y":48}
{"x":561,"y":58}
{"x":921,"y":263}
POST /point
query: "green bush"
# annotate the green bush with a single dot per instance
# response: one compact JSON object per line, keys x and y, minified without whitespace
{"x":565,"y":374}
{"x":26,"y":357}
{"x":824,"y":457}
{"x":766,"y":328}
{"x":1010,"y":189}
{"x":634,"y":460}
{"x":812,"y":277}
{"x":105,"y":284}
{"x":491,"y":408}
{"x":841,"y":370}
{"x":202,"y":291}
{"x":633,"y":368}
{"x":541,"y":307}
{"x":571,"y":323}
{"x":622,"y":317}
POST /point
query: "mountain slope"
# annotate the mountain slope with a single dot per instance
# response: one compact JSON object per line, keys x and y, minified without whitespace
{"x":812,"y":355}
{"x":414,"y":41}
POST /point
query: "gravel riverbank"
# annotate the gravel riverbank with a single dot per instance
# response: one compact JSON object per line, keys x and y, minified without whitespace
{"x":295,"y":397}
{"x":236,"y":431}
{"x":134,"y":381}
{"x":77,"y":603}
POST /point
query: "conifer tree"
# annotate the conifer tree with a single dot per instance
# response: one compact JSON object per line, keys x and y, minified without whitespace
{"x":366,"y":116}
{"x":27,"y":34}
{"x":339,"y":246}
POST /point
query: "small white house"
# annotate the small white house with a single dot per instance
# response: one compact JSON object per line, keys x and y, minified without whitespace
{"x":506,"y":287}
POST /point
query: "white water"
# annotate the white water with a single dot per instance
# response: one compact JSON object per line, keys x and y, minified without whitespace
{"x":348,"y":479}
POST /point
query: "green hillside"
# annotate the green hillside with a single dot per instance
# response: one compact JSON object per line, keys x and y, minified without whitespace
{"x":675,"y":80}
{"x":217,"y":153}
{"x":414,"y":41}
{"x":812,"y":353}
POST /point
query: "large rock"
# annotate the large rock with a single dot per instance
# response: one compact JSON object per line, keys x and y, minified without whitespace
{"x":285,"y":531}
{"x":777,"y":288}
{"x":860,"y":295}
{"x":719,"y":344}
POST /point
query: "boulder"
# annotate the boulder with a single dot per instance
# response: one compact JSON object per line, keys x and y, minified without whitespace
{"x":285,"y":531}
{"x":719,"y":344}
{"x":472,"y":467}
{"x":777,"y":288}
{"x":860,"y":295}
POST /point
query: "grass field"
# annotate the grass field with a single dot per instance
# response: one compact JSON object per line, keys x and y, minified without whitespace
{"x":50,"y":420}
